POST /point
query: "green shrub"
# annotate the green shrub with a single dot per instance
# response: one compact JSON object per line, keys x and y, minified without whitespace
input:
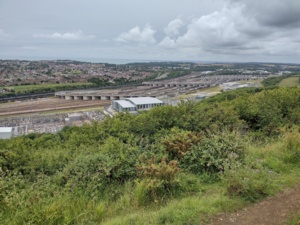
{"x":155,"y":180}
{"x":250,"y":180}
{"x":268,"y":110}
{"x":292,"y":148}
{"x":100,"y":211}
{"x":211,"y":154}
{"x":179,"y":142}
{"x":293,"y":220}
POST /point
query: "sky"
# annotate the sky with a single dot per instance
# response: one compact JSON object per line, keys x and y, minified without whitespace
{"x":156,"y":30}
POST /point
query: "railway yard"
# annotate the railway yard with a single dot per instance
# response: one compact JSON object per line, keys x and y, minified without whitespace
{"x":159,"y":89}
{"x":44,"y":105}
{"x":49,"y":115}
{"x":52,"y":114}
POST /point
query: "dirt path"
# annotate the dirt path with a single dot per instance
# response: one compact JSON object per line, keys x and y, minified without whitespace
{"x":272,"y":211}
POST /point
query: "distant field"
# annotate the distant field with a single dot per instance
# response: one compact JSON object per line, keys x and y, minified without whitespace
{"x":290,"y":82}
{"x":41,"y":86}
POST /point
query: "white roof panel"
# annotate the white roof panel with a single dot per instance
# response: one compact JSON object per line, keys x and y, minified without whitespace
{"x":125,"y":104}
{"x":144,"y":100}
{"x":5,"y":129}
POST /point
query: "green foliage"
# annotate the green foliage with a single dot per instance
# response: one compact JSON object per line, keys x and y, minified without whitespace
{"x":155,"y":180}
{"x":214,"y":118}
{"x":93,"y":173}
{"x":231,"y":95}
{"x":269,"y":110}
{"x":178,"y":143}
{"x":293,"y":220}
{"x":100,"y":81}
{"x":43,"y":88}
{"x":212,"y":154}
{"x":291,"y":151}
{"x":178,"y":73}
{"x":251,"y":180}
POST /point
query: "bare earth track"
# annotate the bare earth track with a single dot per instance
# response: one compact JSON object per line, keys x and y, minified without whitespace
{"x":272,"y":211}
{"x":47,"y":104}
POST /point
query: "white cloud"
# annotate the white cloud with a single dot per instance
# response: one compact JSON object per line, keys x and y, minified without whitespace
{"x":167,"y":42}
{"x":173,"y":27}
{"x":136,"y":34}
{"x":219,"y":29}
{"x":232,"y":31}
{"x":222,"y":31}
{"x":73,"y":36}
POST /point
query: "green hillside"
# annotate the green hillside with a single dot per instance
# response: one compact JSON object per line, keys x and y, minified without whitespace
{"x":290,"y":82}
{"x":42,"y":88}
{"x":172,"y":165}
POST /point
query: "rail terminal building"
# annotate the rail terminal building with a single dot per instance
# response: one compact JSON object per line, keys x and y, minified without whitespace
{"x":135,"y":104}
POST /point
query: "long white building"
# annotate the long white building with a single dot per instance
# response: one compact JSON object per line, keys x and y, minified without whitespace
{"x":135,"y":104}
{"x":6,"y":132}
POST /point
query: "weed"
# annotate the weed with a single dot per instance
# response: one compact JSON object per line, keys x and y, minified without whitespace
{"x":250,"y":180}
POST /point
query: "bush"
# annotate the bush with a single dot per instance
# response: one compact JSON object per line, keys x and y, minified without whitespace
{"x":211,"y":154}
{"x":292,"y":148}
{"x":252,"y":181}
{"x":268,"y":110}
{"x":179,"y":142}
{"x":92,"y":172}
{"x":155,"y":180}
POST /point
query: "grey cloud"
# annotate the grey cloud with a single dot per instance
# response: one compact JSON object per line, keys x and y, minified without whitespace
{"x":275,"y":13}
{"x":219,"y":29}
{"x":190,"y":29}
{"x":235,"y":30}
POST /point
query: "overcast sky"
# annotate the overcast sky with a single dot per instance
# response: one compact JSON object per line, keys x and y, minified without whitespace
{"x":199,"y":30}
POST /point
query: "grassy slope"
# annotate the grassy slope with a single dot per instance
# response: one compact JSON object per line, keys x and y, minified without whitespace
{"x":290,"y":82}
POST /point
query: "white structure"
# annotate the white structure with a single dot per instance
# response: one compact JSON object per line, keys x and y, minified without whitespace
{"x":134,"y":104}
{"x":6,"y":132}
{"x":75,"y":116}
{"x":235,"y":85}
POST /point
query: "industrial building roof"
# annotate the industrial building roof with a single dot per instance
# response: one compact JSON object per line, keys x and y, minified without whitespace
{"x":144,"y":100}
{"x":5,"y":129}
{"x":126,"y":104}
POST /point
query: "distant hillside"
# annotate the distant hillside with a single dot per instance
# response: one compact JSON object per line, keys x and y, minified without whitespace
{"x":289,"y":80}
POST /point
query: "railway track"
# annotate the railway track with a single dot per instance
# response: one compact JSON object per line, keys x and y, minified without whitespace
{"x":46,"y":105}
